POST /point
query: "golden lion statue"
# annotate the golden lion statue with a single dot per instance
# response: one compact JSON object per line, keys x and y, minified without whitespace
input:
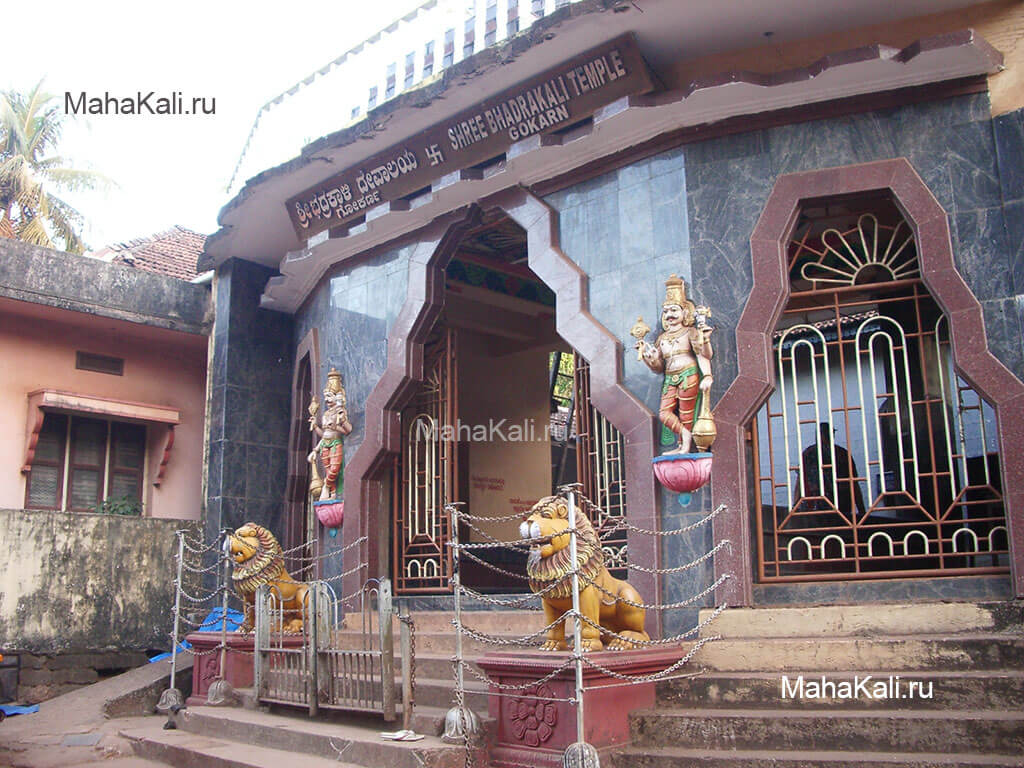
{"x":259,"y":560}
{"x":601,"y":594}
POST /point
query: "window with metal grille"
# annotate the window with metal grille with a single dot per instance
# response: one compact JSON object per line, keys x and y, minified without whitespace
{"x":410,"y":69}
{"x":84,"y":464}
{"x":513,"y":18}
{"x":389,"y":83}
{"x":491,"y":23}
{"x":873,"y":457}
{"x":449,"y":48}
{"x":469,"y":37}
{"x":428,"y":59}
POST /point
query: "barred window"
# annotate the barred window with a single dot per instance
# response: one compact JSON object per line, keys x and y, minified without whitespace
{"x":84,"y":464}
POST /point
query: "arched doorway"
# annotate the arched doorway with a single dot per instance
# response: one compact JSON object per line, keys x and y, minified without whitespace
{"x":368,"y":509}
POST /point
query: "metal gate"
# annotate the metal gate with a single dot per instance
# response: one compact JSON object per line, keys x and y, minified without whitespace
{"x":426,"y":475}
{"x":323,"y":667}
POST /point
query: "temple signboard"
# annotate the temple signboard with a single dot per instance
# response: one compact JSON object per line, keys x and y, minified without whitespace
{"x":551,"y":101}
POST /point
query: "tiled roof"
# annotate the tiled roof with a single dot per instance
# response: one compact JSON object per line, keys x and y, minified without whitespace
{"x":173,"y":253}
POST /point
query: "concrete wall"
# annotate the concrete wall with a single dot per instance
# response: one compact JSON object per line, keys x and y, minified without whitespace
{"x":161,"y":367}
{"x":76,"y":582}
{"x":56,"y":279}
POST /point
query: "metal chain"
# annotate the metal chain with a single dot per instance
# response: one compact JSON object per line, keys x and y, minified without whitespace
{"x":484,"y":678}
{"x":693,"y":564}
{"x":521,"y":603}
{"x":622,"y":522}
{"x":661,"y":606}
{"x":648,"y":643}
{"x":637,"y":679}
{"x":494,"y":568}
{"x":500,"y":519}
{"x":492,"y":640}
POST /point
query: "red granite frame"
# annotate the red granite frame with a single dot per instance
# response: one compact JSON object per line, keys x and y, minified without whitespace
{"x":307,"y":353}
{"x":755,"y":381}
{"x":367,"y":509}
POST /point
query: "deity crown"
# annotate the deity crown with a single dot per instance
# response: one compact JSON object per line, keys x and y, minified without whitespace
{"x":675,"y":292}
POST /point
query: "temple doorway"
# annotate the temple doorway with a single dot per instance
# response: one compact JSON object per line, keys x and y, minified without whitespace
{"x":501,"y":418}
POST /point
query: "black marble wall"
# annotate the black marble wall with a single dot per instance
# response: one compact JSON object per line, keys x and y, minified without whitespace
{"x":353,"y":309}
{"x":691,"y":211}
{"x":250,"y":383}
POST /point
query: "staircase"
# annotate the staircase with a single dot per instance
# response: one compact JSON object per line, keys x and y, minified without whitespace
{"x":773,"y":693}
{"x":253,"y":737}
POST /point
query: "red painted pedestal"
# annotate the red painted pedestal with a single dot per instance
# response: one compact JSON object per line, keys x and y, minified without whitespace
{"x":533,"y":730}
{"x":238,"y":663}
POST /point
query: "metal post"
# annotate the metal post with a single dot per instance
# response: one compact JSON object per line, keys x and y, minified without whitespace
{"x":221,"y":691}
{"x":460,"y":723}
{"x":171,"y":698}
{"x":177,"y":610}
{"x":577,"y":633}
{"x":580,"y":753}
{"x":311,"y":628}
{"x":387,"y":649}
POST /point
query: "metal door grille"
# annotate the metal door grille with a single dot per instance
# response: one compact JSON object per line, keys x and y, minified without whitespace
{"x":600,"y":456}
{"x":425,"y":476}
{"x":873,"y":458}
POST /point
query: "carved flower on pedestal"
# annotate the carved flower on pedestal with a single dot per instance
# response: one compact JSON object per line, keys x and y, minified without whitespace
{"x":533,"y":716}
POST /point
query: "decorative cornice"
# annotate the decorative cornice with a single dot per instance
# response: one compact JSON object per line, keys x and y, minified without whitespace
{"x":633,"y":120}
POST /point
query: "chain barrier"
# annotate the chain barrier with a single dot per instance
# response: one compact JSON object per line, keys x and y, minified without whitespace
{"x":578,"y":659}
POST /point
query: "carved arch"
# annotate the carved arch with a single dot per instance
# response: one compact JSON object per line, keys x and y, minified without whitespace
{"x":756,"y":378}
{"x":366,"y":509}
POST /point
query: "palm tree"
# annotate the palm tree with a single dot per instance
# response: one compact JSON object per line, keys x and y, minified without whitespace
{"x":30,"y":129}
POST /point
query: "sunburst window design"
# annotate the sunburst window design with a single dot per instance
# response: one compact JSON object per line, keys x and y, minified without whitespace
{"x":874,"y":458}
{"x":862,"y":253}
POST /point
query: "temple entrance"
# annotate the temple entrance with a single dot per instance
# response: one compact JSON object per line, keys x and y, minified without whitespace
{"x":501,"y":418}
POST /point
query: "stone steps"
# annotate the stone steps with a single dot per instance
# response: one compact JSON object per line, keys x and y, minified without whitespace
{"x":240,"y":738}
{"x":679,"y":757}
{"x":970,"y":731}
{"x":870,"y":620}
{"x":734,"y":714}
{"x":949,"y":690}
{"x":895,"y":654}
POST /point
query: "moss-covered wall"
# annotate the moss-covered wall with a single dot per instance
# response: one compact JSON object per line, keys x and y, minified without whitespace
{"x":79,"y":582}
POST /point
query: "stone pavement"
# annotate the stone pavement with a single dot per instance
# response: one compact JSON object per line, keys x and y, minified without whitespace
{"x":81,"y":728}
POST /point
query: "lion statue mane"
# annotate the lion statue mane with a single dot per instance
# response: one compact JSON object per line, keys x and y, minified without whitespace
{"x":259,"y":560}
{"x":604,"y":600}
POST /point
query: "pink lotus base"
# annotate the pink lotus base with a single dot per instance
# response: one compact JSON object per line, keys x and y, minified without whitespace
{"x":330,"y":512}
{"x":683,"y":473}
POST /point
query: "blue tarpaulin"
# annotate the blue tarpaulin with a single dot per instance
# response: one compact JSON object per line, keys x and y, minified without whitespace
{"x":16,"y":709}
{"x":212,"y":623}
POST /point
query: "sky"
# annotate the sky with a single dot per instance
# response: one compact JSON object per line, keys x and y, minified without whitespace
{"x":171,"y":169}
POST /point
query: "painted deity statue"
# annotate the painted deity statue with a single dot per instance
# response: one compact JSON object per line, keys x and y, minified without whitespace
{"x":333,"y":426}
{"x":683,"y":353}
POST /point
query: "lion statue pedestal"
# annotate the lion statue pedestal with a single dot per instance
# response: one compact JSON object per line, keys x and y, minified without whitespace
{"x":536,"y":726}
